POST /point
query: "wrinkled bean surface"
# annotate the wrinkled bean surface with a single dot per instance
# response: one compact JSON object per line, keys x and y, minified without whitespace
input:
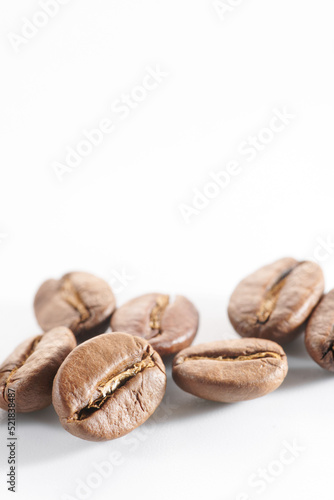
{"x":276,"y":300}
{"x":108,"y":386}
{"x":319,"y":337}
{"x":231,"y":370}
{"x":80,"y":301}
{"x":31,"y":368}
{"x":167,"y":325}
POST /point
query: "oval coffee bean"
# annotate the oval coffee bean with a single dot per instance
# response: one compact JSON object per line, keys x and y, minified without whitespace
{"x":168,"y":326}
{"x":31,"y":368}
{"x":276,"y":300}
{"x":108,"y":386}
{"x":228,"y":371}
{"x":319,"y":337}
{"x":80,"y":301}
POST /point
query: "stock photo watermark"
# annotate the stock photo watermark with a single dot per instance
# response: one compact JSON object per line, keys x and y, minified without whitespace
{"x":263,"y":477}
{"x":120,"y":279}
{"x":248,"y":149}
{"x":225,"y":7}
{"x":324,"y":249}
{"x":104,"y":469}
{"x":121,"y":109}
{"x":11,"y":442}
{"x":31,"y":27}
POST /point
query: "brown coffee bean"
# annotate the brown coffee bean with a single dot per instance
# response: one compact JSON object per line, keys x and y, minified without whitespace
{"x":228,"y":371}
{"x":168,"y":326}
{"x":276,"y":300}
{"x":319,"y":336}
{"x":80,"y":301}
{"x":108,"y":386}
{"x":31,"y":368}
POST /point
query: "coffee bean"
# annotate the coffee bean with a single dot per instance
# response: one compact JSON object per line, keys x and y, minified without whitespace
{"x":228,"y":371}
{"x":80,"y":301}
{"x":319,"y":337}
{"x":168,"y":326}
{"x":276,"y":300}
{"x":108,"y":386}
{"x":31,"y":368}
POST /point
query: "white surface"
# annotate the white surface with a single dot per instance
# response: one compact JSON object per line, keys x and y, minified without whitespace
{"x":119,"y":209}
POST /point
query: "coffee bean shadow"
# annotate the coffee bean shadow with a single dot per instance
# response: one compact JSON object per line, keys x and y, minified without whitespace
{"x":41,"y":438}
{"x":305,"y":375}
{"x":296,"y":349}
{"x":42,"y":418}
{"x":193,"y":407}
{"x":45,"y":418}
{"x":98,"y":330}
{"x":178,"y":404}
{"x":302,"y":369}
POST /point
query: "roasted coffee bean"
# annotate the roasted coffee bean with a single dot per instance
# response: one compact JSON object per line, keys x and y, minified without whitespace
{"x":80,"y":301}
{"x":275,"y":301}
{"x":168,"y":326}
{"x":108,"y":386}
{"x":231,"y":370}
{"x":31,"y":368}
{"x":319,"y":337}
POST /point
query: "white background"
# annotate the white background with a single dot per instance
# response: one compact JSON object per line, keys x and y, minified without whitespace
{"x":119,"y":211}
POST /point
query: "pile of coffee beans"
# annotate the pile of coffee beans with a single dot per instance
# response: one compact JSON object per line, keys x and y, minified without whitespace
{"x":104,"y":385}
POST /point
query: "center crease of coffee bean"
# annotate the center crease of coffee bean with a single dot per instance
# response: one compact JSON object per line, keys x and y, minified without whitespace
{"x":258,"y":355}
{"x":271,"y":296}
{"x":330,"y":348}
{"x":158,"y":312}
{"x":27,"y":355}
{"x":72,"y":297}
{"x":109,"y":387}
